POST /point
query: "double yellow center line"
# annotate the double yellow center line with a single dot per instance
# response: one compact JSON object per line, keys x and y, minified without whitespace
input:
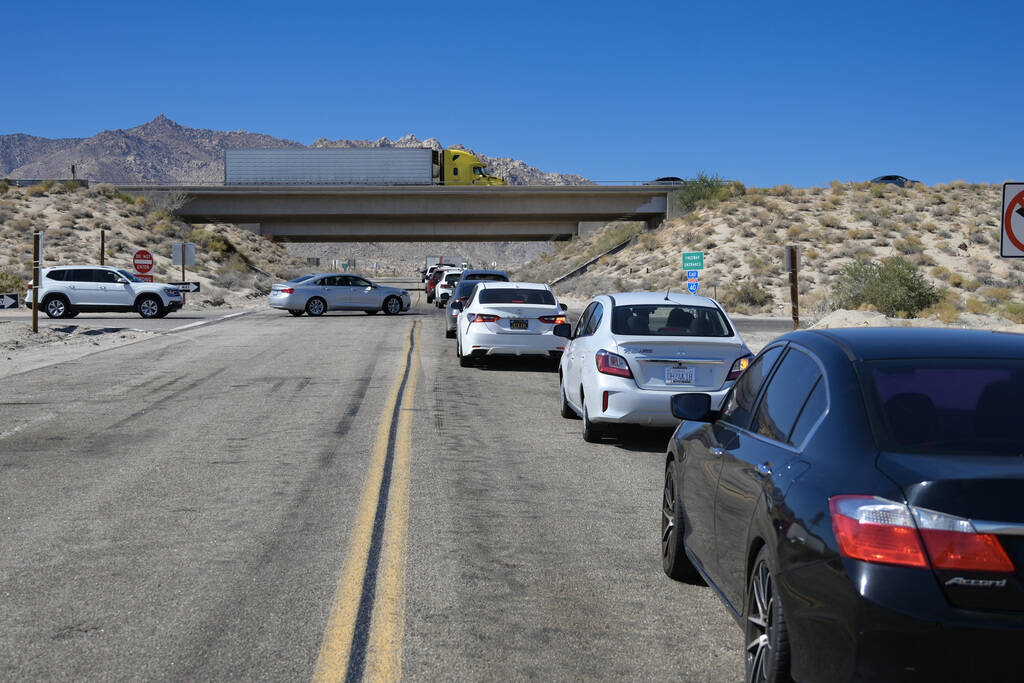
{"x":363,"y":639}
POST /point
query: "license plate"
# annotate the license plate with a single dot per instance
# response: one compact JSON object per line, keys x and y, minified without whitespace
{"x":519,"y":324}
{"x":678,"y":375}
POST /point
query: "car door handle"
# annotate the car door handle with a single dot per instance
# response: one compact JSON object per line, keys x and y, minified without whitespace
{"x":764,"y":469}
{"x":717,"y":451}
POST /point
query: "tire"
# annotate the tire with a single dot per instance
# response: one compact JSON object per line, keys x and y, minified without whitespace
{"x":766,"y":639}
{"x":464,"y":361}
{"x":565,"y":410}
{"x":149,"y":307}
{"x":430,"y":298}
{"x":591,"y":432}
{"x":673,"y":552}
{"x":296,"y":313}
{"x":392,"y":305}
{"x":316,"y":306}
{"x":449,"y":334}
{"x":56,"y":307}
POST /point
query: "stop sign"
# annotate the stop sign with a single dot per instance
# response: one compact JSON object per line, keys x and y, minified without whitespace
{"x":143,"y":261}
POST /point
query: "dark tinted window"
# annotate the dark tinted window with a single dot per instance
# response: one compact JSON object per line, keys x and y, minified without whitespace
{"x":581,"y":324}
{"x":948,"y":406}
{"x":517,"y":296}
{"x":299,"y":279}
{"x":327,"y":282}
{"x":595,"y":319}
{"x":492,"y":277}
{"x":814,"y":408}
{"x":454,"y":277}
{"x":741,"y":399}
{"x":670,"y":320}
{"x":465,"y":289}
{"x":79,"y":275}
{"x":107,"y":276}
{"x":785,"y":396}
{"x":56,"y":275}
{"x":358,"y":282}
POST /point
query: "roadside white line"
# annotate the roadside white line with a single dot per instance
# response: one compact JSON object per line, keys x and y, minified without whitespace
{"x":207,"y":322}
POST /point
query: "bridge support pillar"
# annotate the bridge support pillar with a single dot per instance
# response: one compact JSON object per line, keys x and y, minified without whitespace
{"x":655,"y":221}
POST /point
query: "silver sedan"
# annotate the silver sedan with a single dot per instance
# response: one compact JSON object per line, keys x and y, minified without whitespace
{"x":321,"y":292}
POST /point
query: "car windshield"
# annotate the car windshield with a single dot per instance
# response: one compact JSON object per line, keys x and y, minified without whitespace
{"x":947,"y":406}
{"x":510,"y":295}
{"x":491,"y":277}
{"x":669,"y":320}
{"x":465,"y":288}
{"x":128,"y":275}
{"x":301,"y":278}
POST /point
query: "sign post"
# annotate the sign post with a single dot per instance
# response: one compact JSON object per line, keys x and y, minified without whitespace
{"x":37,"y":257}
{"x":183,"y":254}
{"x":794,"y":290}
{"x":103,"y":240}
{"x":1012,"y":219}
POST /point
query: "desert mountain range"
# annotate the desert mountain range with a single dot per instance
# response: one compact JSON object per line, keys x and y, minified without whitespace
{"x":163,"y":151}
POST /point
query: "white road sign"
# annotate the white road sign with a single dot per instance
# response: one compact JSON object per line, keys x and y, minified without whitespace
{"x":1012,"y":218}
{"x":8,"y":300}
{"x":190,"y":253}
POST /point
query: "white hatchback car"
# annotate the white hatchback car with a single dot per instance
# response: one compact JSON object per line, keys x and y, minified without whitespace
{"x":630,"y":353}
{"x":508,"y":318}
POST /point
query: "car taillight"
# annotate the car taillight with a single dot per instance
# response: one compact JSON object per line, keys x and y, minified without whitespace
{"x":552,"y":319}
{"x":738,"y":367}
{"x":612,"y":364}
{"x":287,"y":290}
{"x":482,"y":318}
{"x":874,"y":529}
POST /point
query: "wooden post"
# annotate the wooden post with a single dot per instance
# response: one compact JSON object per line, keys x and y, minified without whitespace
{"x":103,"y":244}
{"x":794,"y":289}
{"x":183,"y":272}
{"x":36,"y":256}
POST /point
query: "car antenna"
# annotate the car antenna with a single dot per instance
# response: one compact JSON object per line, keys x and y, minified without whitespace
{"x":667,"y":291}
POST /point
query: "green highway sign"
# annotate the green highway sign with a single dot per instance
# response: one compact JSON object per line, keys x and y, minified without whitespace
{"x":693,"y":260}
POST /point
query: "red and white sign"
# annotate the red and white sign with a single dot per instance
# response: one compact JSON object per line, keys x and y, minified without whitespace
{"x":145,"y":278}
{"x":1012,"y":244}
{"x":143,"y":261}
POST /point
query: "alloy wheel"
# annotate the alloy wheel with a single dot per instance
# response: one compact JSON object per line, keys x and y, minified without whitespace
{"x":760,"y":626}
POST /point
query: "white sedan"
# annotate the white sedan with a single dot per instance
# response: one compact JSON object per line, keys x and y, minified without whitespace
{"x":630,"y":353}
{"x":509,"y":318}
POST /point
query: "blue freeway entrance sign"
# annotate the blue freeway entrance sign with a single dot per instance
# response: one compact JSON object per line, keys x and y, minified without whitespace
{"x":692,"y":286}
{"x":693,"y":260}
{"x":692,"y":274}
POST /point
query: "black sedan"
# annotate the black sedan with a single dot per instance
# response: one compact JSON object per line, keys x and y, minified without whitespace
{"x":857,"y":505}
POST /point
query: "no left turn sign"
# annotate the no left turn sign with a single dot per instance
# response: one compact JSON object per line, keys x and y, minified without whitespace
{"x":1012,"y":244}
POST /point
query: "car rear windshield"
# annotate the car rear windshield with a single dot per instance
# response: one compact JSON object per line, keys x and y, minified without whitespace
{"x":948,"y":406}
{"x":491,"y":277}
{"x":509,"y":295}
{"x":454,"y":277}
{"x":669,"y":320}
{"x":301,"y":278}
{"x":465,"y":288}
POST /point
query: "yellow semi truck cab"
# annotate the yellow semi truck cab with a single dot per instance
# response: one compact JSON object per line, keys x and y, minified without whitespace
{"x":459,"y":167}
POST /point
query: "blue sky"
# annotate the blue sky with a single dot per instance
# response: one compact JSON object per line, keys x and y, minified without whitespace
{"x":764,"y":92}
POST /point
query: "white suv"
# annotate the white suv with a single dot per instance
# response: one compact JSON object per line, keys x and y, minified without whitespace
{"x":67,"y":291}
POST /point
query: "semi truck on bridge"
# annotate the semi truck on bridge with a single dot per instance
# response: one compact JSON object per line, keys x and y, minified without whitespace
{"x":355,"y":166}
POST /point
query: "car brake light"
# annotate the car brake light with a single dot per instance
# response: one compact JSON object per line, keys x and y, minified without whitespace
{"x":552,"y":319}
{"x":738,"y":367}
{"x":610,"y":363}
{"x":874,"y":529}
{"x":287,"y":290}
{"x":483,"y":318}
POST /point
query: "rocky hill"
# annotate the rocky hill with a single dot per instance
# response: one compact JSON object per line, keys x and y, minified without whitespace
{"x":163,"y":151}
{"x":950,"y":233}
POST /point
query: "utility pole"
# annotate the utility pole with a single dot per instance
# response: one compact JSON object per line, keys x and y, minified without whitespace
{"x":37,"y":255}
{"x":103,"y":241}
{"x":794,"y":289}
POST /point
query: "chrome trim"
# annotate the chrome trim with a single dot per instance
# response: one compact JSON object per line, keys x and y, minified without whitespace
{"x":1006,"y":528}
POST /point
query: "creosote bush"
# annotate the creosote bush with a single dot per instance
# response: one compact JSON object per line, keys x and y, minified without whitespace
{"x":747,"y":293}
{"x":707,"y":190}
{"x":893,"y":286}
{"x":11,"y":282}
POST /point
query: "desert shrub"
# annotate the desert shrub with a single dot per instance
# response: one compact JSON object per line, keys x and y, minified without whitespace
{"x":976,"y":306}
{"x":748,"y":293}
{"x":11,"y":282}
{"x":947,"y":309}
{"x":830,"y":221}
{"x":41,"y":189}
{"x":911,"y":245}
{"x":4,"y":186}
{"x":892,"y":285}
{"x":1014,"y":311}
{"x":707,"y":190}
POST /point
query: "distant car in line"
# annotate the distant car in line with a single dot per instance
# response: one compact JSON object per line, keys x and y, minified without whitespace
{"x":895,"y":180}
{"x":666,"y":180}
{"x":322,"y":292}
{"x":856,"y":505}
{"x":463,"y":290}
{"x":484,"y":274}
{"x":444,"y":287}
{"x":508,"y":319}
{"x":630,"y":353}
{"x":67,"y":291}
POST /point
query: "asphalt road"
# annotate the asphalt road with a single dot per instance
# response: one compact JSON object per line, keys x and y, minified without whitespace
{"x":281,"y":498}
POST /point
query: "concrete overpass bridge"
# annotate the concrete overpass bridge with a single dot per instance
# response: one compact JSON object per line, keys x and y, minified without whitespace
{"x":416,"y":213}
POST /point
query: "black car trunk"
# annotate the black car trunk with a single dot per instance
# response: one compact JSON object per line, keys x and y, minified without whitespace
{"x":989,"y":491}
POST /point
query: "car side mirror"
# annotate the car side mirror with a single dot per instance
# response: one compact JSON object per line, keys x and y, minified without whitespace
{"x":696,"y":407}
{"x":564,"y":307}
{"x":563,"y":330}
{"x":457,"y":306}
